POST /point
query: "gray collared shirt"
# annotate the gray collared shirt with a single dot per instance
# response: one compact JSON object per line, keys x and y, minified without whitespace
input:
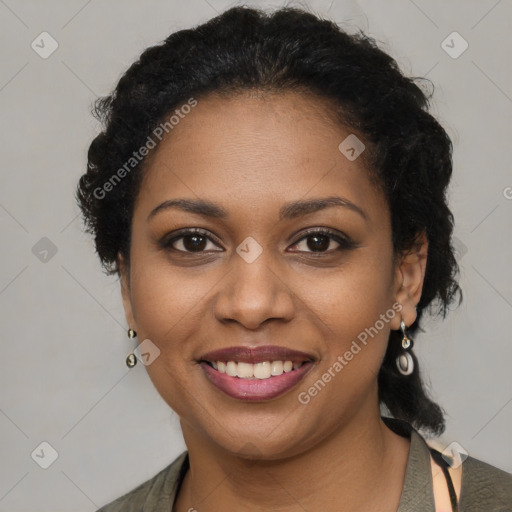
{"x":484,"y":487}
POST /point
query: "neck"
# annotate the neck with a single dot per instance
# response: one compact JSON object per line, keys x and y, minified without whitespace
{"x":360,"y":468}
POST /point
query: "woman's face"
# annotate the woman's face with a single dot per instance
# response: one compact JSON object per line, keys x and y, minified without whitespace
{"x":255,"y":277}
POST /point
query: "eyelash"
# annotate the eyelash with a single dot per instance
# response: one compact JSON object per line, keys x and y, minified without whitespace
{"x":344,"y":242}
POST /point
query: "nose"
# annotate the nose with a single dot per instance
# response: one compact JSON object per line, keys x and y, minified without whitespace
{"x":253,"y":293}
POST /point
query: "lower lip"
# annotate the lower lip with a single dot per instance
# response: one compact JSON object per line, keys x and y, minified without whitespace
{"x":255,"y":389}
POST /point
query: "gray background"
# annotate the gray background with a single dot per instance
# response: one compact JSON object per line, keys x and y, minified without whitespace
{"x":63,"y":379}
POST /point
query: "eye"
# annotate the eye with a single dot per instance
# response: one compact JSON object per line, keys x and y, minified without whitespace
{"x":195,"y":240}
{"x":188,"y":241}
{"x":319,"y":240}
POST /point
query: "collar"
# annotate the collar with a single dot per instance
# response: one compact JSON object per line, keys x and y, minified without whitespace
{"x":417,"y":493}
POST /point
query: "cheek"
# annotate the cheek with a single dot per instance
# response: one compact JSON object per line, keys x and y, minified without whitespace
{"x":166,"y":299}
{"x":356,"y":329}
{"x":167,"y":311}
{"x":354,"y":306}
{"x":352,"y":297}
{"x":163,"y":308}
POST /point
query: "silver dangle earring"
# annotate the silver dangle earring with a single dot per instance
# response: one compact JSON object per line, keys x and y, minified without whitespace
{"x":404,"y":361}
{"x":131,"y":360}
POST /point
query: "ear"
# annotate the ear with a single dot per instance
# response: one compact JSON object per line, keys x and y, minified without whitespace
{"x":409,"y":277}
{"x":124,"y":277}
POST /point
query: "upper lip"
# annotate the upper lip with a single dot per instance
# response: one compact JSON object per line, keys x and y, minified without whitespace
{"x":257,"y":354}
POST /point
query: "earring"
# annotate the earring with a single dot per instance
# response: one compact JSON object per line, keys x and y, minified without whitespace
{"x":131,"y":360}
{"x":405,"y":362}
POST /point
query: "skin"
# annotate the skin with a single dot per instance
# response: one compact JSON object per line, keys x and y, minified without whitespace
{"x":251,"y":154}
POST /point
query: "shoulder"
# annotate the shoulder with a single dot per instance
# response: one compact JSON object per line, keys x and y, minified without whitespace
{"x":485,"y":486}
{"x":147,"y":495}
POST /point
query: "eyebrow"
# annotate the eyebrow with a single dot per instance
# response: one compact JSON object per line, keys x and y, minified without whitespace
{"x":288,"y":211}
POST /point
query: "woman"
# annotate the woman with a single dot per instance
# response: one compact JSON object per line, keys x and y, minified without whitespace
{"x":272,"y":193}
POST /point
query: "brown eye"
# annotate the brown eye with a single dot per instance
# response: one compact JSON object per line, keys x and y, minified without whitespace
{"x":193,"y":243}
{"x":320,"y":241}
{"x":189,"y":241}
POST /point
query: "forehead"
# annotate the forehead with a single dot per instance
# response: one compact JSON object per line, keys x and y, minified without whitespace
{"x":256,"y":150}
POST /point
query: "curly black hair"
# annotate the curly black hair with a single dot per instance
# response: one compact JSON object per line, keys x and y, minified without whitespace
{"x":408,"y":153}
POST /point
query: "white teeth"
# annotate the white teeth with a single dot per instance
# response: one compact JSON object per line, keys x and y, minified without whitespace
{"x":263,"y":370}
{"x":245,"y":370}
{"x":277,"y":368}
{"x":232,"y":369}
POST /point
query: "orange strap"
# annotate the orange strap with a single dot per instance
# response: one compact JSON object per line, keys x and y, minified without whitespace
{"x":442,"y":483}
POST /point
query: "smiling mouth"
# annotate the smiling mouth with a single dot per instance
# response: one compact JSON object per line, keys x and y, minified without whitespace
{"x":262,"y":370}
{"x":255,"y":382}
